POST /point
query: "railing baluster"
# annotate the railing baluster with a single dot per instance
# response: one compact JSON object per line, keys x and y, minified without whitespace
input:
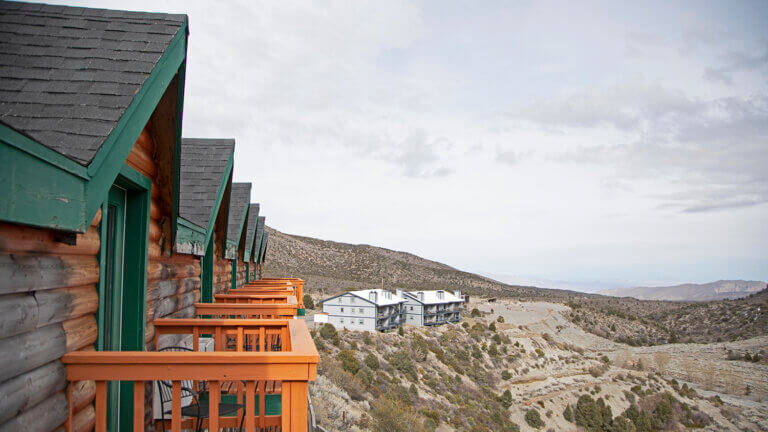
{"x":250,"y":412}
{"x":69,"y":405}
{"x":262,"y":338}
{"x":138,"y":406}
{"x":239,"y":338}
{"x":101,"y":406}
{"x":176,"y":406}
{"x":213,"y":406}
{"x":262,"y":403}
{"x":195,"y":338}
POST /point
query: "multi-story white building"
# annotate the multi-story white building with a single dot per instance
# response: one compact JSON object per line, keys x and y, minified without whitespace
{"x":370,"y":310}
{"x":423,"y":308}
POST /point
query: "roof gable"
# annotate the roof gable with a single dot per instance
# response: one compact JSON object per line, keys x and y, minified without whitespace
{"x":205,"y":166}
{"x":250,"y":231}
{"x":239,"y":198}
{"x":70,"y":74}
{"x":258,"y":239}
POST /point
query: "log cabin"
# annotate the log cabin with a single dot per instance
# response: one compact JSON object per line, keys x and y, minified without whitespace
{"x":250,"y":234}
{"x":94,"y":245}
{"x":239,"y":204}
{"x":206,"y":179}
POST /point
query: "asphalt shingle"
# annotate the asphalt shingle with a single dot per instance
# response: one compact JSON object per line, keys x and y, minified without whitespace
{"x":203,"y":166}
{"x":79,"y":66}
{"x":238,"y":202}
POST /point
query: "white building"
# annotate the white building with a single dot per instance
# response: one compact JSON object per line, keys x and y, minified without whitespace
{"x":370,"y":310}
{"x":423,"y":308}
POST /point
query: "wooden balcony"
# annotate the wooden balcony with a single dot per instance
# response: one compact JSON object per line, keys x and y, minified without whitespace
{"x":265,"y":298}
{"x":242,"y":335}
{"x":296,"y":283}
{"x":293,"y":366}
{"x":246,"y":310}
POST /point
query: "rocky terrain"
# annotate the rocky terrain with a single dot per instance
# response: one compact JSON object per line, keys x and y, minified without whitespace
{"x":720,"y":290}
{"x":526,"y":358}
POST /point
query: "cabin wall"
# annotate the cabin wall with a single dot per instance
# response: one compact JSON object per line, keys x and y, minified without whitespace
{"x":241,"y":273}
{"x":48,"y":301}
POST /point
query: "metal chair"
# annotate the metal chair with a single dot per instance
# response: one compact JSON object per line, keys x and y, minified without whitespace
{"x":198,"y":409}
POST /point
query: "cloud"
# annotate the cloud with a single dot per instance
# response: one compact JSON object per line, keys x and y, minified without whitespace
{"x":712,"y":152}
{"x":735,"y":62}
{"x":418,"y":157}
{"x":509,"y":157}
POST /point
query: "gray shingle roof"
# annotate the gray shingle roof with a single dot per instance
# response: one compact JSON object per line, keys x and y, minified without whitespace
{"x":238,"y":202}
{"x":67,"y":74}
{"x":203,"y":165}
{"x":250,"y":230}
{"x":259,"y":233}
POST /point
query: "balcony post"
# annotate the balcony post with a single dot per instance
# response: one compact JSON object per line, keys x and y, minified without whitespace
{"x":294,"y":403}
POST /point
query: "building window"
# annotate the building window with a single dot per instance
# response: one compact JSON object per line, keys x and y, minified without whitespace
{"x":352,"y":299}
{"x":411,"y":307}
{"x":360,"y":310}
{"x":342,"y":309}
{"x":341,"y":320}
{"x":360,"y":322}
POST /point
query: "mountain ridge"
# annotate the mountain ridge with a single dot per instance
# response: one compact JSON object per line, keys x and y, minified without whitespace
{"x":718,"y":290}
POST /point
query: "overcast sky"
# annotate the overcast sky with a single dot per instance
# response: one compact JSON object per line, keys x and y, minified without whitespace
{"x":598,"y":143}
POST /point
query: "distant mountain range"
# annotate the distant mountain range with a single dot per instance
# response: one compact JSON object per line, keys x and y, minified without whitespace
{"x":720,"y":290}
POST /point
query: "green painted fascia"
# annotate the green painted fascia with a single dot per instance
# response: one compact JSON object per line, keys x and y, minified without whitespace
{"x":239,"y":233}
{"x":46,"y":189}
{"x":35,"y":149}
{"x":225,"y":179}
{"x":38,"y":193}
{"x":264,"y":247}
{"x":177,"y":149}
{"x":190,"y":238}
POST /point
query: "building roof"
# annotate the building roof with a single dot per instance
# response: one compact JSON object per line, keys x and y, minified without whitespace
{"x":258,"y":240}
{"x":431,"y":297}
{"x":383,"y":297}
{"x":204,"y":165}
{"x":68,"y":74}
{"x":239,"y":198}
{"x":250,"y":230}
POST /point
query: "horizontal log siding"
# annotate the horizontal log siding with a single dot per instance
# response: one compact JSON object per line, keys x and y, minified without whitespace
{"x":48,"y":301}
{"x":241,"y":274}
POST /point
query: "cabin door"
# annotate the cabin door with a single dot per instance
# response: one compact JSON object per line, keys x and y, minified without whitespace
{"x":112,"y":306}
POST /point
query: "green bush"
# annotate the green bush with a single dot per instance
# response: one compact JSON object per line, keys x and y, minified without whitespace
{"x":392,"y":416}
{"x":500,"y":319}
{"x":475,"y":313}
{"x":568,"y":413}
{"x":533,"y":418}
{"x":592,"y":415}
{"x":400,"y":331}
{"x":493,"y":350}
{"x":505,"y":375}
{"x":402,"y":362}
{"x":308,"y":302}
{"x":372,"y":361}
{"x":328,"y":331}
{"x":348,"y":361}
{"x":492,"y":327}
{"x":506,"y":398}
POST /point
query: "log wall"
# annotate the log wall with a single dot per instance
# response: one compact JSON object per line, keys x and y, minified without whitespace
{"x":49,"y":298}
{"x":241,"y":274}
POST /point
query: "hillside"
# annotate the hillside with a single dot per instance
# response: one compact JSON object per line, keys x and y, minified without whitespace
{"x":720,"y":290}
{"x":330,"y":267}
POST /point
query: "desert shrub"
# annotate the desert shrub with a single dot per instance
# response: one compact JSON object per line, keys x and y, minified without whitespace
{"x":597,"y":371}
{"x":505,"y":375}
{"x":663,"y":411}
{"x":308,"y":302}
{"x":475,"y":313}
{"x":568,"y":413}
{"x":328,"y":331}
{"x":539,"y":352}
{"x":493,"y":350}
{"x":367,"y":339}
{"x":533,"y":418}
{"x":319,"y":344}
{"x":402,"y":362}
{"x":638,"y":418}
{"x":465,"y":325}
{"x":622,"y":424}
{"x":497,"y":338}
{"x":592,"y":415}
{"x":400,"y":331}
{"x":506,"y":398}
{"x":492,"y":327}
{"x":500,"y":319}
{"x":348,"y":361}
{"x":372,"y":361}
{"x":429,"y":425}
{"x":393,"y":416}
{"x":476,"y":352}
{"x":365,"y":376}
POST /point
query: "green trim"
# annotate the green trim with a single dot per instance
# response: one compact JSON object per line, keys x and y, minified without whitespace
{"x":233,"y":278}
{"x":46,"y":189}
{"x":236,"y":244}
{"x":225,"y":180}
{"x":180,"y":83}
{"x":247,"y":272}
{"x":301,"y":312}
{"x":258,"y":238}
{"x":206,"y":276}
{"x":190,"y":238}
{"x":273,"y":403}
{"x":12,"y":137}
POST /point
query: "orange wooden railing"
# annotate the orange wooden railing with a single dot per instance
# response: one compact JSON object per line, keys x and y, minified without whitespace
{"x":296,"y":283}
{"x":261,"y":298}
{"x":228,"y":334}
{"x":245,"y":310}
{"x":293,"y":368}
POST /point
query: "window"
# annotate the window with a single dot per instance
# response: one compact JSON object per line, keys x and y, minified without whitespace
{"x":360,"y":321}
{"x":352,"y":299}
{"x":341,"y":320}
{"x":411,"y":307}
{"x":342,"y":309}
{"x":360,"y":310}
